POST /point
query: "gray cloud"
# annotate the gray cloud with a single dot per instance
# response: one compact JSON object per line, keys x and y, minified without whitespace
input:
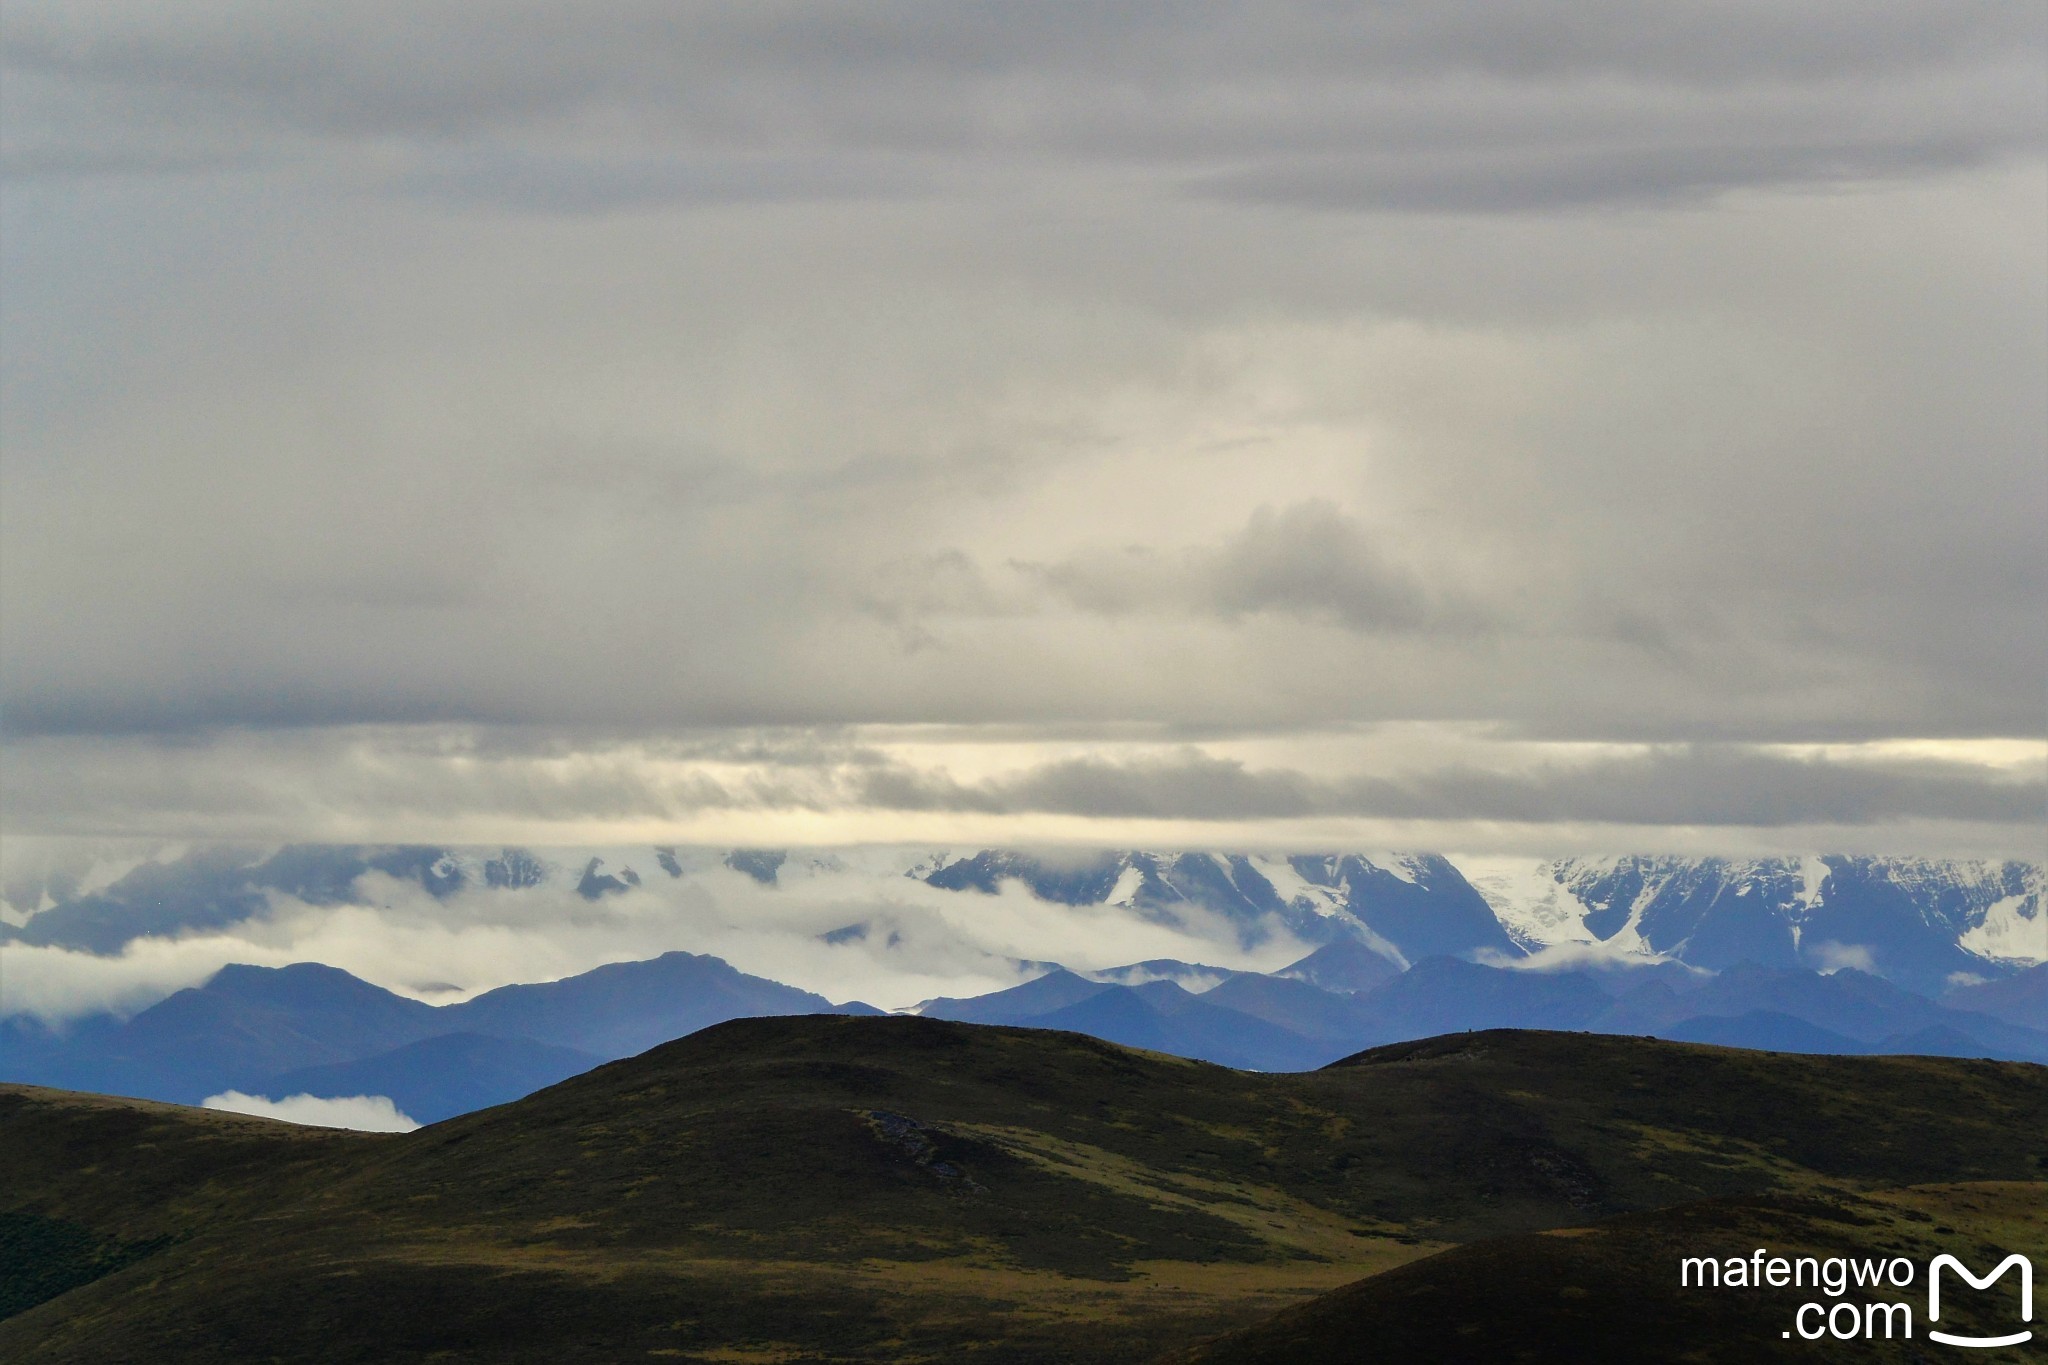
{"x":1681,"y":785}
{"x":420,"y":783}
{"x":547,"y":386}
{"x":583,"y":184}
{"x":1308,"y":560}
{"x":1575,"y":177}
{"x":1693,"y":99}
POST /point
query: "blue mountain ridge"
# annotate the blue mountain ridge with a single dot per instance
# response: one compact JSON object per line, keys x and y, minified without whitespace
{"x":314,"y":1029}
{"x":439,"y":1077}
{"x":1825,"y":953}
{"x":2021,"y":999}
{"x":247,"y":1027}
{"x":1763,"y":1031}
{"x":1346,"y":966}
{"x":1162,"y":1017}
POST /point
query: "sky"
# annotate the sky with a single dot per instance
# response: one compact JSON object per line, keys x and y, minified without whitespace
{"x":1495,"y":427}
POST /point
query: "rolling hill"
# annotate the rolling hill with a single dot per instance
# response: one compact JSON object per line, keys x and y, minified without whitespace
{"x":838,"y":1188}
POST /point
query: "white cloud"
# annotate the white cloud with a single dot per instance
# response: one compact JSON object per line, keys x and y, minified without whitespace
{"x":366,"y":1113}
{"x":1835,"y":957}
{"x":61,"y":983}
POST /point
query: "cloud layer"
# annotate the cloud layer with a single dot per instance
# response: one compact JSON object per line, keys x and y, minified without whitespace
{"x":1426,"y":786}
{"x":1404,"y":106}
{"x":463,"y":414}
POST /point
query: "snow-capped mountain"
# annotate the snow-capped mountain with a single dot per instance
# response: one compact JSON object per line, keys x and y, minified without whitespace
{"x":1405,"y":906}
{"x":1921,"y":922}
{"x":1918,"y":921}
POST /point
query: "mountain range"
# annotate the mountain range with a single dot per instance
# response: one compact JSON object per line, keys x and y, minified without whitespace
{"x":1831,"y":954}
{"x":310,"y":1029}
{"x":314,"y":1029}
{"x":1924,"y":923}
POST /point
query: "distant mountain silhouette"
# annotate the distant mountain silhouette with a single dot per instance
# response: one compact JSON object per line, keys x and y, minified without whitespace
{"x":2021,"y":999}
{"x":1764,"y":1030}
{"x":1855,"y":1004}
{"x":626,"y":1007}
{"x":439,"y":1077}
{"x":1297,"y":1006}
{"x":1163,"y":1017}
{"x":1444,"y":994}
{"x":1057,"y":989}
{"x":318,"y":1029}
{"x":244,"y":1024}
{"x":253,"y":1028}
{"x":1347,"y":966}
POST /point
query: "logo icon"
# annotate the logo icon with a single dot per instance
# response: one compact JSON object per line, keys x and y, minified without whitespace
{"x":2026,"y":1269}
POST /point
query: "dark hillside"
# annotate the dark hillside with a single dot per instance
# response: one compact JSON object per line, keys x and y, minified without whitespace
{"x":1611,"y":1292}
{"x":909,"y":1189}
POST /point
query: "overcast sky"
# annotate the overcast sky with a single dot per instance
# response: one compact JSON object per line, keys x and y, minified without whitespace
{"x":1458,"y":425}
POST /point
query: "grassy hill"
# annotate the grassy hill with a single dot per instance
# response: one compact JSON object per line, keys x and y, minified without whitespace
{"x":1611,"y":1291}
{"x":832,"y":1188}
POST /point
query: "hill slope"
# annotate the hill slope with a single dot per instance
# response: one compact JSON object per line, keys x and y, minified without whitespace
{"x":910,"y":1189}
{"x":1611,"y":1292}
